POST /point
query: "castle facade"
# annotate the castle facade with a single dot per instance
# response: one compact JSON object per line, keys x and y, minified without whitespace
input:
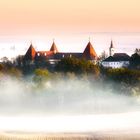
{"x":53,"y":56}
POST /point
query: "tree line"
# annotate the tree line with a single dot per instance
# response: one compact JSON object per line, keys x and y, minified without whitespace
{"x":125,"y":79}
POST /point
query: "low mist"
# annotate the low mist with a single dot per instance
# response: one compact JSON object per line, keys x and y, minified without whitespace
{"x":69,"y":96}
{"x":66,"y":105}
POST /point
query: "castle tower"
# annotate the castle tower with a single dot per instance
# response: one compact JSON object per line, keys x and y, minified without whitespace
{"x":111,"y":49}
{"x":89,"y":52}
{"x":54,"y":48}
{"x":30,"y":54}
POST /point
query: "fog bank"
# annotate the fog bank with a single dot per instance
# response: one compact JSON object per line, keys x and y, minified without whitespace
{"x":63,"y":97}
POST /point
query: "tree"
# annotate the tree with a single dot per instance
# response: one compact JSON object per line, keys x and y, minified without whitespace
{"x":137,"y":51}
{"x":4,"y":60}
{"x":41,"y":75}
{"x":19,"y":61}
{"x":130,"y":77}
{"x":77,"y":66}
{"x":103,"y":55}
{"x":135,"y":61}
{"x":1,"y":67}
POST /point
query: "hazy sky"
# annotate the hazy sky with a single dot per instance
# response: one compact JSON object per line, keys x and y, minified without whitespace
{"x":27,"y":16}
{"x":39,"y":19}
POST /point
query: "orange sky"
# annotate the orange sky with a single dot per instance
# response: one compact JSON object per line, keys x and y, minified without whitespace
{"x":41,"y":16}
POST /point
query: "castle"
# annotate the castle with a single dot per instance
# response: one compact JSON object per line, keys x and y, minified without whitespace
{"x":53,"y":56}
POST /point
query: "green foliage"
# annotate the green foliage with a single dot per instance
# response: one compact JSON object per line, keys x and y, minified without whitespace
{"x":126,"y":81}
{"x":124,"y":75}
{"x":1,"y":67}
{"x":10,"y":70}
{"x":14,"y":72}
{"x":41,"y":75}
{"x":135,"y":61}
{"x":77,"y":66}
{"x":136,"y":91}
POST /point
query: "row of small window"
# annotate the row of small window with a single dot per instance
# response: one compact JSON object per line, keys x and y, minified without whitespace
{"x":67,"y":56}
{"x":117,"y":63}
{"x":111,"y":63}
{"x":38,"y":54}
{"x":114,"y":63}
{"x":45,"y":54}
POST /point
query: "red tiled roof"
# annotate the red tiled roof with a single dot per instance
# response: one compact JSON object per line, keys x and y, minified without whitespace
{"x":30,"y":54}
{"x":54,"y":48}
{"x":89,"y":52}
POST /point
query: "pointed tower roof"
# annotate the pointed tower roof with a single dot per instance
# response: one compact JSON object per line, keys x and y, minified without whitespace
{"x":111,"y":45}
{"x":89,"y":52}
{"x":54,"y":48}
{"x":30,"y":54}
{"x":111,"y":49}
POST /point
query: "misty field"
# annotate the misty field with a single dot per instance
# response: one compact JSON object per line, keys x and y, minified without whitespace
{"x":65,"y":106}
{"x":105,"y":136}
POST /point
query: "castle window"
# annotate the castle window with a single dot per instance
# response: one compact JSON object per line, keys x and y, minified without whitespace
{"x":70,"y":55}
{"x":38,"y":54}
{"x":45,"y":54}
{"x":63,"y":55}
